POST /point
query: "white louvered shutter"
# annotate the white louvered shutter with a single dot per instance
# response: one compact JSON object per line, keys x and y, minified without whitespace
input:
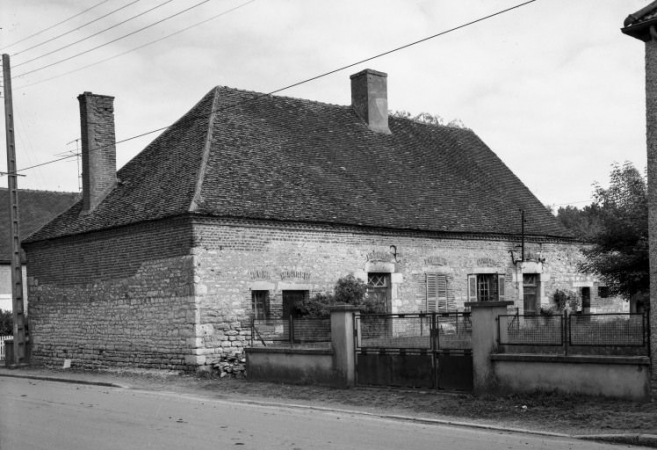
{"x":432,"y":292}
{"x":441,"y":290}
{"x":500,"y":287}
{"x":472,"y":288}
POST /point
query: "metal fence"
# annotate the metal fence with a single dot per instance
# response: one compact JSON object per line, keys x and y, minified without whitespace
{"x":408,"y":331}
{"x":617,"y":330}
{"x":530,"y":330}
{"x":291,"y":330}
{"x":2,"y":346}
{"x":420,"y":331}
{"x":607,"y":332}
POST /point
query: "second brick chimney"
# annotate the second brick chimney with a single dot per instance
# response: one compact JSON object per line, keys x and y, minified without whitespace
{"x":98,"y":148}
{"x":369,"y":98}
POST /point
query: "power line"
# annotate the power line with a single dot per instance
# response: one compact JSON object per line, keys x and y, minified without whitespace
{"x":53,"y":26}
{"x":137,"y":48}
{"x":403,"y":47}
{"x":75,"y":29}
{"x":257,"y":97}
{"x":574,"y":203}
{"x":117,"y":39}
{"x":95,"y":34}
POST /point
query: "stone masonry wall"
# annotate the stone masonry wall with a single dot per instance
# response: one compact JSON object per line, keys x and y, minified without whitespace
{"x":113,"y":298}
{"x":651,"y":140}
{"x":231,"y":261}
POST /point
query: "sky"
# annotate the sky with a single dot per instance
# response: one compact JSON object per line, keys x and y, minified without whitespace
{"x":552,"y":87}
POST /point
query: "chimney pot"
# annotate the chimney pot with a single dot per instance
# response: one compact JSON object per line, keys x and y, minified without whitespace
{"x":369,"y":98}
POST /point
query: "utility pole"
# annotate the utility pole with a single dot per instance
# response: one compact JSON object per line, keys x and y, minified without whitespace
{"x":18,"y":305}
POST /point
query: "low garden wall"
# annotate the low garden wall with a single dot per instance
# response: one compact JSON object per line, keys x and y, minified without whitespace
{"x":309,"y":364}
{"x":607,"y":376}
{"x":291,"y":365}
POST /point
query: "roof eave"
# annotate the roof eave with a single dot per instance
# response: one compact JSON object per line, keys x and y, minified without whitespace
{"x":641,"y":30}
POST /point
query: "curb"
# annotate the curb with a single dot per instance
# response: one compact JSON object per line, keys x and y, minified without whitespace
{"x":646,"y":440}
{"x":424,"y":420}
{"x":64,"y":380}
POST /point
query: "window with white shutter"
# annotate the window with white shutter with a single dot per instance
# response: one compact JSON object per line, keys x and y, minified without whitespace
{"x":440,"y":297}
{"x":486,"y":287}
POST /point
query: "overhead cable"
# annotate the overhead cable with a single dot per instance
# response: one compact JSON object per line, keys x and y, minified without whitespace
{"x":136,"y":48}
{"x":49,"y":40}
{"x":257,"y":97}
{"x":113,"y":40}
{"x":95,"y":34}
{"x":53,"y":26}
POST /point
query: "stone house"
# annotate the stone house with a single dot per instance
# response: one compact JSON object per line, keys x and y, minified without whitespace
{"x":35,"y":209}
{"x":250,"y":201}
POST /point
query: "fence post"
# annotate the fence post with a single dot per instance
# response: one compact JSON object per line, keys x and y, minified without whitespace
{"x":566,"y":332}
{"x":343,"y":345}
{"x":435,"y":333}
{"x":290,"y":327}
{"x":646,"y":331}
{"x":484,"y":342}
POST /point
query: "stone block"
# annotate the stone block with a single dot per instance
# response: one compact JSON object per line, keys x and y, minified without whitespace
{"x":195,"y":360}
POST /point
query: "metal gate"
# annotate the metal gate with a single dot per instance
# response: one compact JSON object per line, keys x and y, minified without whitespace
{"x":425,"y":350}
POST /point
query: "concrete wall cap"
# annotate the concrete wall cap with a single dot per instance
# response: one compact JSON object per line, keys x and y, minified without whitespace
{"x":289,"y":351}
{"x":339,"y":308}
{"x":487,"y":304}
{"x":572,"y":359}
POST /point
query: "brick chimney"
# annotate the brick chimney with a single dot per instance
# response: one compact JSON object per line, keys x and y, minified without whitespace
{"x":98,"y":148}
{"x":369,"y":98}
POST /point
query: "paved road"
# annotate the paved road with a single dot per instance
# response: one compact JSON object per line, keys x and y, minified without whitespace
{"x":51,"y":415}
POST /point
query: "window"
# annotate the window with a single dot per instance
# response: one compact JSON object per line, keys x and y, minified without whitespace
{"x":440,"y":297}
{"x":531,"y":293}
{"x":290,"y":300}
{"x":603,"y":291}
{"x":377,"y":279}
{"x":586,"y":299}
{"x":260,"y":304}
{"x":379,"y":290}
{"x":488,"y":287}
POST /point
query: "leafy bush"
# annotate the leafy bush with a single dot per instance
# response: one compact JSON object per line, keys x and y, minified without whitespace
{"x":564,"y":300}
{"x":348,"y":290}
{"x":6,"y":323}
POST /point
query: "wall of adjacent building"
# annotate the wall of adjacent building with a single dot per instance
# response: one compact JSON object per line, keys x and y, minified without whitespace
{"x":5,"y":287}
{"x":114,"y":298}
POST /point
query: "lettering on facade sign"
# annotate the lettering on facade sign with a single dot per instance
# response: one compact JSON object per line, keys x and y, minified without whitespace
{"x":435,"y":261}
{"x":259,"y":274}
{"x":380,"y":256}
{"x":286,"y":274}
{"x":486,"y":262}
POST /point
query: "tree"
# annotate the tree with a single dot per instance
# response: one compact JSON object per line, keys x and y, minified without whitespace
{"x":619,"y":248}
{"x":584,"y":223}
{"x":428,"y":118}
{"x":6,"y":323}
{"x":348,"y":290}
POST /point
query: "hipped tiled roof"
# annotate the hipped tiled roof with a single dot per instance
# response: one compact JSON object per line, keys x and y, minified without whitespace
{"x":35,"y":209}
{"x":245,"y":155}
